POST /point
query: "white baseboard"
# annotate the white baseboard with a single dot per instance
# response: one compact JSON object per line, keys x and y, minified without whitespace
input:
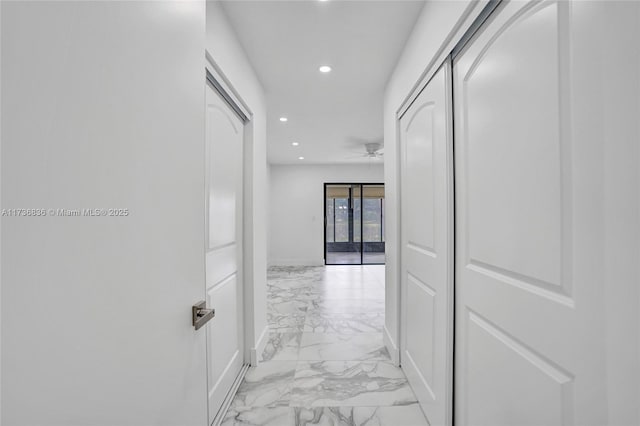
{"x":391,"y":346}
{"x":260,"y":345}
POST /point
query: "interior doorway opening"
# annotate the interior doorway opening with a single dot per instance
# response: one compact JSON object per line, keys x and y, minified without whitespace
{"x":354,"y":224}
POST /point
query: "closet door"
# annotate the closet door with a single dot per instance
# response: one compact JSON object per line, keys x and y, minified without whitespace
{"x":426,"y":292}
{"x":224,"y":292}
{"x":529,"y":231}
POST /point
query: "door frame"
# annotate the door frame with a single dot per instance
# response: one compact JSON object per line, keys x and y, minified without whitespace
{"x":216,"y":80}
{"x":324,"y":222}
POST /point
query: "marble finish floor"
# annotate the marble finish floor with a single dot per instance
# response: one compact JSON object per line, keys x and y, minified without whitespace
{"x":368,"y":258}
{"x":325,"y":362}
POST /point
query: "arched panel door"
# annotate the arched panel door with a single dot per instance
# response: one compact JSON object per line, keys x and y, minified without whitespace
{"x":529,"y":318}
{"x":224,"y":140}
{"x":426,"y":257}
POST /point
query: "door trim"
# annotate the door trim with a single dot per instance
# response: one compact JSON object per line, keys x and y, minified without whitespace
{"x":476,"y":25}
{"x":221,"y":84}
{"x":213,"y":82}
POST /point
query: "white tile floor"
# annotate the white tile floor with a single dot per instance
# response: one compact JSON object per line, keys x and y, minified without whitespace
{"x":341,"y":258}
{"x":325,"y":363}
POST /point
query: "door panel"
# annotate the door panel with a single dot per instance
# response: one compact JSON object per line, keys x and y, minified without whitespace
{"x":96,"y":311}
{"x":224,"y":346}
{"x":418,"y":158}
{"x":426,"y":291}
{"x":221,"y":263}
{"x":373,"y":224}
{"x":532,"y":381}
{"x":526,"y":209}
{"x":226,"y":137}
{"x":421,"y":309}
{"x":343,"y":224}
{"x":528,"y":320}
{"x":224,"y":248}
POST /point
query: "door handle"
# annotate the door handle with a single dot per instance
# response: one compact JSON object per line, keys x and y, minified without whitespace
{"x":200,"y":315}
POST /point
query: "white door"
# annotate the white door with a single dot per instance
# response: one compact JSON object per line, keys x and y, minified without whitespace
{"x":529,"y":230}
{"x":426,"y":294}
{"x":224,"y":139}
{"x":96,"y":311}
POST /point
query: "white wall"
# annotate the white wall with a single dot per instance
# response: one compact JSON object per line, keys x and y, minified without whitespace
{"x":102,"y":107}
{"x":296,"y":220}
{"x":433,"y":33}
{"x":225,"y":49}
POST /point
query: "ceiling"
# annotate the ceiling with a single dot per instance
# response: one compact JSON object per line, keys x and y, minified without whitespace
{"x":330,"y":115}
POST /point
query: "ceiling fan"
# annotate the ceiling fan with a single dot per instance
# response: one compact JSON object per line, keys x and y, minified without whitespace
{"x":372,"y":150}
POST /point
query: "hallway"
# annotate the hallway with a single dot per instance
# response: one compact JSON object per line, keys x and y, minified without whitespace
{"x":325,"y":362}
{"x":165,"y":164}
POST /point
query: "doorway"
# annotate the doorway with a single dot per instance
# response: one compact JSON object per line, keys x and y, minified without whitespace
{"x":354,"y":224}
{"x":225,"y":124}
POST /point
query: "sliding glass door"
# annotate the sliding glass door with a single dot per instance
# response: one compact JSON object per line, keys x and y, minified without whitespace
{"x":373,"y":224}
{"x":354,"y":223}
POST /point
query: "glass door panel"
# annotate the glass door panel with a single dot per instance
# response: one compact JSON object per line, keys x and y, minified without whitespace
{"x":357,"y":213}
{"x":343,"y":230}
{"x":373,"y":224}
{"x":354,"y":226}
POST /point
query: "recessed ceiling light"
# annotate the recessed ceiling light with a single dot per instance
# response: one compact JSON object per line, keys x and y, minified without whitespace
{"x":300,"y":158}
{"x":284,"y":119}
{"x":295,"y":143}
{"x":325,"y":69}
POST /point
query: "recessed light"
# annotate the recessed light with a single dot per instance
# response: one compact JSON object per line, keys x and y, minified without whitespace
{"x":300,"y":158}
{"x":284,"y":119}
{"x":325,"y":69}
{"x":295,"y":143}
